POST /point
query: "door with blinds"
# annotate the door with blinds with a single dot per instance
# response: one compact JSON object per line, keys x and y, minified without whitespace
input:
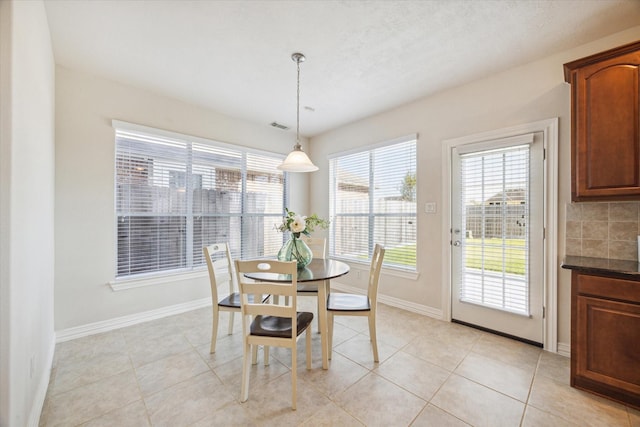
{"x":497,"y":235}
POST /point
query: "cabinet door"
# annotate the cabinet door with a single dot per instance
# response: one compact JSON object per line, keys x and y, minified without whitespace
{"x":607,"y":353}
{"x":606,"y":140}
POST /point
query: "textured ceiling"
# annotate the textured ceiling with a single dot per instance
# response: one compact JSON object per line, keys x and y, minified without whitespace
{"x":363,"y":57}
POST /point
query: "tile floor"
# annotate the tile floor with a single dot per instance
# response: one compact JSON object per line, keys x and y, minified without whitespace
{"x":431,"y":373}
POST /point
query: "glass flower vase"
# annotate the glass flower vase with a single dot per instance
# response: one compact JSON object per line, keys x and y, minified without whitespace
{"x":295,"y":249}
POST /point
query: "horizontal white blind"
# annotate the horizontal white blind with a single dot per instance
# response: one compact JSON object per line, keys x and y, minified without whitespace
{"x":174,"y":196}
{"x":373,"y":200}
{"x":495,"y":203}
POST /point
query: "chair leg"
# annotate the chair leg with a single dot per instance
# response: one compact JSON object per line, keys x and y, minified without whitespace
{"x":254,"y":355}
{"x":318,"y":311}
{"x":330,"y":334}
{"x":294,"y":374}
{"x":266,"y":355}
{"x":214,"y":328}
{"x":246,"y":366}
{"x":308,"y":349}
{"x":230,"y":331}
{"x":372,"y":335}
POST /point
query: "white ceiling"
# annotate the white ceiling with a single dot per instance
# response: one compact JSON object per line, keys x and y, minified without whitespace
{"x":363,"y":57}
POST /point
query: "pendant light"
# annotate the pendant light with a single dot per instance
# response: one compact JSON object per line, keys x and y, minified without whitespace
{"x":297,"y":160}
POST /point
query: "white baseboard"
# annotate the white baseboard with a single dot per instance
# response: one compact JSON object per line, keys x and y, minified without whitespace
{"x":436,"y":313}
{"x":43,"y":385}
{"x":132,"y":319}
{"x":564,"y":349}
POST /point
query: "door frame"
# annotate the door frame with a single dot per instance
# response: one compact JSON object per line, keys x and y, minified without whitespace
{"x":549,"y":129}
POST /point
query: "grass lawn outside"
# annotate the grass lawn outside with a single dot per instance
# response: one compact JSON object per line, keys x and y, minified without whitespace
{"x":506,"y":255}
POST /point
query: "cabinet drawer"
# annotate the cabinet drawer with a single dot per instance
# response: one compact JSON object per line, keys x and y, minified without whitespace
{"x":605,"y":287}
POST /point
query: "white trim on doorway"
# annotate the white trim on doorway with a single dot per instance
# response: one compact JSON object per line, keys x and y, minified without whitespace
{"x":549,"y":128}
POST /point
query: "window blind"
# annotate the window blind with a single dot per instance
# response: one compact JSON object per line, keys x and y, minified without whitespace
{"x":495,"y":200}
{"x":175,"y":195}
{"x":373,"y":200}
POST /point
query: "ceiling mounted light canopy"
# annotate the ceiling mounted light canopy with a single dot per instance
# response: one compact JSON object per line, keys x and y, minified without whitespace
{"x":297,"y":160}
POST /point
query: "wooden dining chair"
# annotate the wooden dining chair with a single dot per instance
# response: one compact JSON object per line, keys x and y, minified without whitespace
{"x":220,"y":266}
{"x":341,"y":304}
{"x":271,"y":324}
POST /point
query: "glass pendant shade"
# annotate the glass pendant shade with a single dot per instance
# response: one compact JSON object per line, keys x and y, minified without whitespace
{"x":297,"y":161}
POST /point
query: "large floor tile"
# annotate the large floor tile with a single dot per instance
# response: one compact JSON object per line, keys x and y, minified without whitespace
{"x":342,"y":374}
{"x":572,"y":404}
{"x":152,"y":330}
{"x":432,"y":416}
{"x":512,"y":352}
{"x":554,"y":366}
{"x":360,"y":350}
{"x":149,"y":350}
{"x":132,"y":415}
{"x":231,"y":372}
{"x":164,"y":373}
{"x":90,"y":401}
{"x":188,"y":402}
{"x":476,"y":404}
{"x":446,"y":355}
{"x":87,"y":348}
{"x":413,"y":374}
{"x":228,"y":347}
{"x":453,"y":333}
{"x":270,"y":403}
{"x":71,"y":374}
{"x":231,"y":414}
{"x":376,"y":401}
{"x":506,"y":379}
{"x":534,"y":417}
{"x":331,"y":415}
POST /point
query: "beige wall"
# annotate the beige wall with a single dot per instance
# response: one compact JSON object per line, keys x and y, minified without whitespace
{"x":27,"y":211}
{"x":529,"y":93}
{"x":85,"y":237}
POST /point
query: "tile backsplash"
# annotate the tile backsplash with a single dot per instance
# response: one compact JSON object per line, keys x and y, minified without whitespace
{"x":603,"y":230}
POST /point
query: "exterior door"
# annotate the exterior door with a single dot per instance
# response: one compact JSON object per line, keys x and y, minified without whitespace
{"x":497,"y":235}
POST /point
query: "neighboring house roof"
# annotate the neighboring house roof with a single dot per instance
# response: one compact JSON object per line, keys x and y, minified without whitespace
{"x":515,"y":196}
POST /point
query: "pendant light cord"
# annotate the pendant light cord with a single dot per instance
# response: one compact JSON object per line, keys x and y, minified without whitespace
{"x":298,"y":108}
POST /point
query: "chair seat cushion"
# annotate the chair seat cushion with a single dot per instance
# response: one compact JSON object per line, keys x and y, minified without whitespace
{"x":348,"y":302}
{"x":233,"y":300}
{"x":280,"y":327}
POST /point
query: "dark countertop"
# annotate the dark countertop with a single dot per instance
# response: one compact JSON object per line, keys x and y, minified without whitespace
{"x":617,"y":267}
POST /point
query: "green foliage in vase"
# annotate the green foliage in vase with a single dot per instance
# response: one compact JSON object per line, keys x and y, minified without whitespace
{"x":298,"y":224}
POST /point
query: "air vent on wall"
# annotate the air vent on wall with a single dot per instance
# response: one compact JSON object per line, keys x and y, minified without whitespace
{"x":279,"y":126}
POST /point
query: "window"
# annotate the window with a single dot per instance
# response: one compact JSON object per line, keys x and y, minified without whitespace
{"x":175,"y":194}
{"x":373,"y":200}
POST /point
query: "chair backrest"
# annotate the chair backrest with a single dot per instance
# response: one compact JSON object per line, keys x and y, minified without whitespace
{"x":374,"y":273}
{"x":318,"y":246}
{"x":250,"y":287}
{"x":220,"y":266}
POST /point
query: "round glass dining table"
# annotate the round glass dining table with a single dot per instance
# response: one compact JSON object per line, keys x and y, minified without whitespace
{"x":320,"y":271}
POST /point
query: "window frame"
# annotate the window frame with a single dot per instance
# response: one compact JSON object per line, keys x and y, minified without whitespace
{"x":410,"y":271}
{"x":191,"y":269}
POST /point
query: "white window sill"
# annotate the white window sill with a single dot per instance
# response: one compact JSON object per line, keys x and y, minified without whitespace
{"x":140,"y":282}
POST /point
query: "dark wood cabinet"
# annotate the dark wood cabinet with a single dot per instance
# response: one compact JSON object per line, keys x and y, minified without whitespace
{"x":605,"y":336}
{"x":605,"y":128}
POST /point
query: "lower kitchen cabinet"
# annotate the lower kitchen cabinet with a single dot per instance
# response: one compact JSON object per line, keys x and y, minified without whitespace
{"x":605,"y":336}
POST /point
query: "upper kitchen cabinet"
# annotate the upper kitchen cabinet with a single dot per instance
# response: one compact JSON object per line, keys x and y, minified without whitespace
{"x":605,"y":125}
